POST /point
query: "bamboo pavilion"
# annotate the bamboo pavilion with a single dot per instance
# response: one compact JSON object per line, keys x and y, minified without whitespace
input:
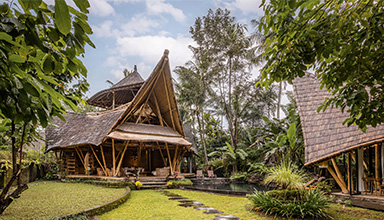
{"x":355,"y":159}
{"x":140,"y":131}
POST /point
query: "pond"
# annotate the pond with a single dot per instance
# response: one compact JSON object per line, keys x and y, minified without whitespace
{"x":232,"y":188}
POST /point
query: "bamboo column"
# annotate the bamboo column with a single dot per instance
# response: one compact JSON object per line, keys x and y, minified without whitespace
{"x":341,"y":185}
{"x":113,"y":156}
{"x":377,"y":168}
{"x":175,"y":158}
{"x":338,"y":171}
{"x":121,"y":158}
{"x":169,"y":103}
{"x":113,"y":100}
{"x":105,"y":165}
{"x":169,"y":158}
{"x":94,"y":153}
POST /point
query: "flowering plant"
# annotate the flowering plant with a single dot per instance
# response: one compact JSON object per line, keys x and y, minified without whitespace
{"x":138,"y":184}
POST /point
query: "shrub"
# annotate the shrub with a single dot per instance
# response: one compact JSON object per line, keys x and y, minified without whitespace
{"x":286,"y":175}
{"x":218,"y":165}
{"x":239,"y":176}
{"x":286,"y":195}
{"x":102,"y":183}
{"x":178,"y":183}
{"x":307,"y":204}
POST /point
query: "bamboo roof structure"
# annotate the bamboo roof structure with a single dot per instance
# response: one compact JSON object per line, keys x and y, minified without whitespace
{"x":151,"y":116}
{"x":123,"y":92}
{"x":325,"y":136}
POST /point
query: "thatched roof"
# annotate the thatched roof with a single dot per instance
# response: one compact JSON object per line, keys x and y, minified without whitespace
{"x":157,"y":92}
{"x":147,"y":133}
{"x":81,"y":129}
{"x":124,"y":91}
{"x":324,"y":134}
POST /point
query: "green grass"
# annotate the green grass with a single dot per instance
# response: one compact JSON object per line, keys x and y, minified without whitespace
{"x":149,"y":204}
{"x":44,"y":200}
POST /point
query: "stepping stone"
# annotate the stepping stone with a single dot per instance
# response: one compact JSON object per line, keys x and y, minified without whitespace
{"x":204,"y":208}
{"x":191,"y":204}
{"x":177,"y":198}
{"x":224,"y":217}
{"x":186,"y":201}
{"x":213,"y":211}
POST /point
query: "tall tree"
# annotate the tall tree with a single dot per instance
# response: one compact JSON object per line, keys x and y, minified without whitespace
{"x":225,"y":48}
{"x":341,"y":40}
{"x":192,"y":95}
{"x":39,"y":49}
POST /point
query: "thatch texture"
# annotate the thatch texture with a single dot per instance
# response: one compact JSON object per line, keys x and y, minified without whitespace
{"x":124,"y":92}
{"x":158,"y":92}
{"x":81,"y":129}
{"x":324,"y":134}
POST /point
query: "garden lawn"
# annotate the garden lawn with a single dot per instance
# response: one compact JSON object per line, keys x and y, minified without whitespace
{"x":45,"y":200}
{"x":150,"y":204}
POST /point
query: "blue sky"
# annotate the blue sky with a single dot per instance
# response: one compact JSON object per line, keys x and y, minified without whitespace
{"x":136,"y":32}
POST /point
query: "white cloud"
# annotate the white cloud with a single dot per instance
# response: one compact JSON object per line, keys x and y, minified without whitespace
{"x":140,"y":24}
{"x":151,"y":48}
{"x":101,"y":8}
{"x":157,"y":7}
{"x":104,"y":30}
{"x":246,"y":6}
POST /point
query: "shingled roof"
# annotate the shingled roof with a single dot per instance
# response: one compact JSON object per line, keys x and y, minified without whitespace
{"x":124,"y":90}
{"x":324,"y":134}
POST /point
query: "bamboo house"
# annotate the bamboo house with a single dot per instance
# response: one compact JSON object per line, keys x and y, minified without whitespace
{"x":140,"y":130}
{"x":354,"y":159}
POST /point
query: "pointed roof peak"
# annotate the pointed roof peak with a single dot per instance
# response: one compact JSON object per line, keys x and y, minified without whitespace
{"x":132,"y":78}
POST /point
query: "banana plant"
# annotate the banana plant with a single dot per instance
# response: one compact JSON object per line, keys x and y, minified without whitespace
{"x":230,"y":156}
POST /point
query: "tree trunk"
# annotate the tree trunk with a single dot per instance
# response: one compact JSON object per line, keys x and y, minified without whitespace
{"x":202,"y":136}
{"x":5,"y":200}
{"x":279,"y":100}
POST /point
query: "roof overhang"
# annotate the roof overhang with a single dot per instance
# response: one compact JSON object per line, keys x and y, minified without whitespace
{"x":120,"y":135}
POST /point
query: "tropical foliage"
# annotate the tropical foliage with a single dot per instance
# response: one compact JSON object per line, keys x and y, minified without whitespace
{"x":39,"y":47}
{"x":340,"y":40}
{"x":303,"y":204}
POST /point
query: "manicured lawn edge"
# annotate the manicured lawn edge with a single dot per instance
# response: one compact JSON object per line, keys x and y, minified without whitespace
{"x":98,"y":210}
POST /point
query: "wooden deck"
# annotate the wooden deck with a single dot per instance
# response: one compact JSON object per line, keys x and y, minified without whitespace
{"x":370,"y":201}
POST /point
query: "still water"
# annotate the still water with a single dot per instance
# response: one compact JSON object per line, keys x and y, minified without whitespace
{"x":235,"y":187}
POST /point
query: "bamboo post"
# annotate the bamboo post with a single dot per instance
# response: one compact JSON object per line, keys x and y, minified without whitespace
{"x":139,"y":154}
{"x":150,"y":84}
{"x":162,"y":157}
{"x":338,"y":171}
{"x":113,"y":100}
{"x":105,"y":165}
{"x":81,"y":159}
{"x":333,"y":174}
{"x":349,"y":170}
{"x":169,"y":102}
{"x":175,"y":158}
{"x":169,"y":158}
{"x":180,"y":159}
{"x":113,"y":156}
{"x":94,"y":153}
{"x":121,"y":158}
{"x":377,"y":168}
{"x":158,"y":110}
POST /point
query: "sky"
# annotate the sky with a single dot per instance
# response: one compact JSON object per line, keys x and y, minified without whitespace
{"x":136,"y":32}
